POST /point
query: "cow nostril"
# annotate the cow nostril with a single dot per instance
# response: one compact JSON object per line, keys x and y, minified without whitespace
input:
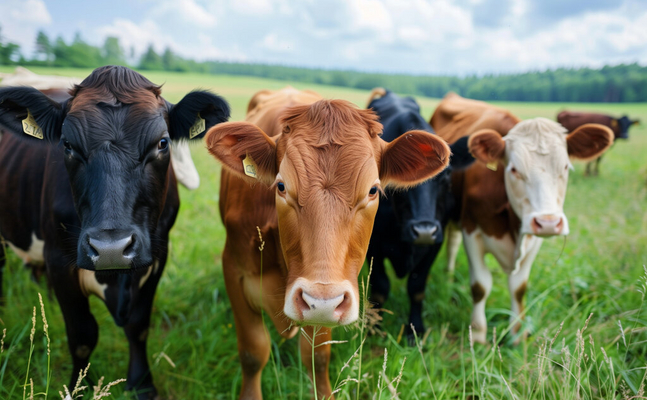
{"x":344,"y":306}
{"x":537,"y":224}
{"x":129,"y":251}
{"x":92,"y":251}
{"x":300,"y":302}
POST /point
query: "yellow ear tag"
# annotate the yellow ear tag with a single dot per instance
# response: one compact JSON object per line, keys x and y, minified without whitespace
{"x":614,"y":123}
{"x":249,"y":166}
{"x":492,"y":165}
{"x":30,"y":127}
{"x":197,"y":128}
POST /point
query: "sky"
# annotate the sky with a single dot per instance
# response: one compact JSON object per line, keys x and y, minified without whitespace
{"x":439,"y":37}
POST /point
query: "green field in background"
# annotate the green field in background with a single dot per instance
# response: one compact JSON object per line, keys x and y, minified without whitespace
{"x":596,"y":269}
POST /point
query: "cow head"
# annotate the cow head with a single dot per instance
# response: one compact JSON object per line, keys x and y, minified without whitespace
{"x":418,"y":210}
{"x":623,"y":126}
{"x":115,"y":133}
{"x":535,"y":157}
{"x":328,"y":168}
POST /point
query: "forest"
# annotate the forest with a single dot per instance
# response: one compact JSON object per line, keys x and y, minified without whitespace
{"x":609,"y":84}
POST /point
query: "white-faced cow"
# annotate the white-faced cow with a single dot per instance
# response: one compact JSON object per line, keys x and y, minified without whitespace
{"x":319,"y":167}
{"x":514,"y":197}
{"x":409,"y":223}
{"x":95,"y":197}
{"x":571,"y":120}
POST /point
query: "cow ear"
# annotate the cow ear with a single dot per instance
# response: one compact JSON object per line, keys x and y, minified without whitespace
{"x":413,"y":158}
{"x":244,"y":149}
{"x":198,"y":111}
{"x":461,"y":156}
{"x":589,"y":141}
{"x":487,"y":146}
{"x":27,"y":112}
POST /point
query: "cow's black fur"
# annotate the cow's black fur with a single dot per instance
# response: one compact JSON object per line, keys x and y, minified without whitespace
{"x":102,"y":170}
{"x":403,"y":214}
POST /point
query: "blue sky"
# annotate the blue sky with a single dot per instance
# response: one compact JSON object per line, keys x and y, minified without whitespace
{"x":455,"y":37}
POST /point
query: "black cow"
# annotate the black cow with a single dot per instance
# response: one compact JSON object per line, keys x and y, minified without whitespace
{"x":409,"y":226}
{"x":95,"y":199}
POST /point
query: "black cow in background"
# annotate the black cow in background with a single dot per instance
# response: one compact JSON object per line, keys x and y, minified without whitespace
{"x":409,"y":224}
{"x":95,"y":197}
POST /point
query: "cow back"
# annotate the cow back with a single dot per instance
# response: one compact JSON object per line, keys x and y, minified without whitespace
{"x":457,"y":117}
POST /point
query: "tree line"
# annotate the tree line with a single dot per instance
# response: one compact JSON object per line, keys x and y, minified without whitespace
{"x":619,"y":83}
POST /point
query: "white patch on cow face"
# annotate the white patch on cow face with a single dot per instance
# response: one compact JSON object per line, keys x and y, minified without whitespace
{"x":183,"y":166}
{"x":151,"y":269}
{"x":90,"y":285}
{"x":536,"y":176}
{"x":33,"y":255}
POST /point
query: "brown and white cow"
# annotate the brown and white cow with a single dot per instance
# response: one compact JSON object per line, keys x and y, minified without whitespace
{"x":514,"y":197}
{"x":320,"y":166}
{"x":571,"y":120}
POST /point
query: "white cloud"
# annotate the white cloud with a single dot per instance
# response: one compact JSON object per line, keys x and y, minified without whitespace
{"x":272,"y":42}
{"x":188,"y":10}
{"x":253,"y":7}
{"x":21,"y":20}
{"x":138,"y":35}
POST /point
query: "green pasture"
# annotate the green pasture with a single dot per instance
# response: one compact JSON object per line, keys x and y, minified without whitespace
{"x":597,"y":271}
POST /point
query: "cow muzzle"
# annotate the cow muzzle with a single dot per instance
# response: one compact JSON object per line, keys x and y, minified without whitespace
{"x":103,"y":250}
{"x":549,"y":225}
{"x":325,"y":304}
{"x":426,"y":234}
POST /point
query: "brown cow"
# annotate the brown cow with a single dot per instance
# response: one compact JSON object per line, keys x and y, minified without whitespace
{"x":514,"y":196}
{"x":572,"y":120}
{"x":321,"y":165}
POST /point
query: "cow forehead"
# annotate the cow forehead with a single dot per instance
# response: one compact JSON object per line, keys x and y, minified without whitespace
{"x":539,"y":135}
{"x":537,"y":142}
{"x":342,"y":171}
{"x":128,"y":125}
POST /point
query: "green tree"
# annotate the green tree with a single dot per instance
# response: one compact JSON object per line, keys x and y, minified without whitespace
{"x":9,"y":52}
{"x":44,"y":47}
{"x":113,"y":53}
{"x":151,"y":60}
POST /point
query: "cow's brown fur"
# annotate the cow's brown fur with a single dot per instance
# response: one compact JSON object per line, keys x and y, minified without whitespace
{"x":328,"y":153}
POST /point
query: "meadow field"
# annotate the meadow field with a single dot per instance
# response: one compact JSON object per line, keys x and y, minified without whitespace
{"x":585,"y":299}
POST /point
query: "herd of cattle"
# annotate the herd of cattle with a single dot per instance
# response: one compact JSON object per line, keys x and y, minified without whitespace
{"x":88,"y":192}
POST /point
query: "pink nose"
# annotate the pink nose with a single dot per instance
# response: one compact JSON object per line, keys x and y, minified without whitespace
{"x":547,"y":225}
{"x":322,"y":310}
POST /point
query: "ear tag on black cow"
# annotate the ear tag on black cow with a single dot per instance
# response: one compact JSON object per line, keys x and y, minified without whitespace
{"x":249,"y":166}
{"x":492,"y":165}
{"x":30,"y":126}
{"x":197,"y":128}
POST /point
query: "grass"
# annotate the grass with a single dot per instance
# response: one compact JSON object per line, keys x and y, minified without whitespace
{"x":598,"y":278}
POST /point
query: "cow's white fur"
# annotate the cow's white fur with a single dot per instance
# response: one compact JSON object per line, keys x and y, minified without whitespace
{"x":33,"y":255}
{"x":536,"y":148}
{"x":183,"y":166}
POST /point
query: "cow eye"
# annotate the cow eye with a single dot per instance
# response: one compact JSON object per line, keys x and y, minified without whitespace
{"x":373,"y":191}
{"x":68,"y":147}
{"x":281,"y":187}
{"x":162,"y":144}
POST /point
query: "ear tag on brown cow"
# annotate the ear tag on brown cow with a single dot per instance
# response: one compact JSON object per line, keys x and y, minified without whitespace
{"x":249,"y":166}
{"x":197,"y":128}
{"x":492,"y":165}
{"x":30,"y":127}
{"x":614,"y":123}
